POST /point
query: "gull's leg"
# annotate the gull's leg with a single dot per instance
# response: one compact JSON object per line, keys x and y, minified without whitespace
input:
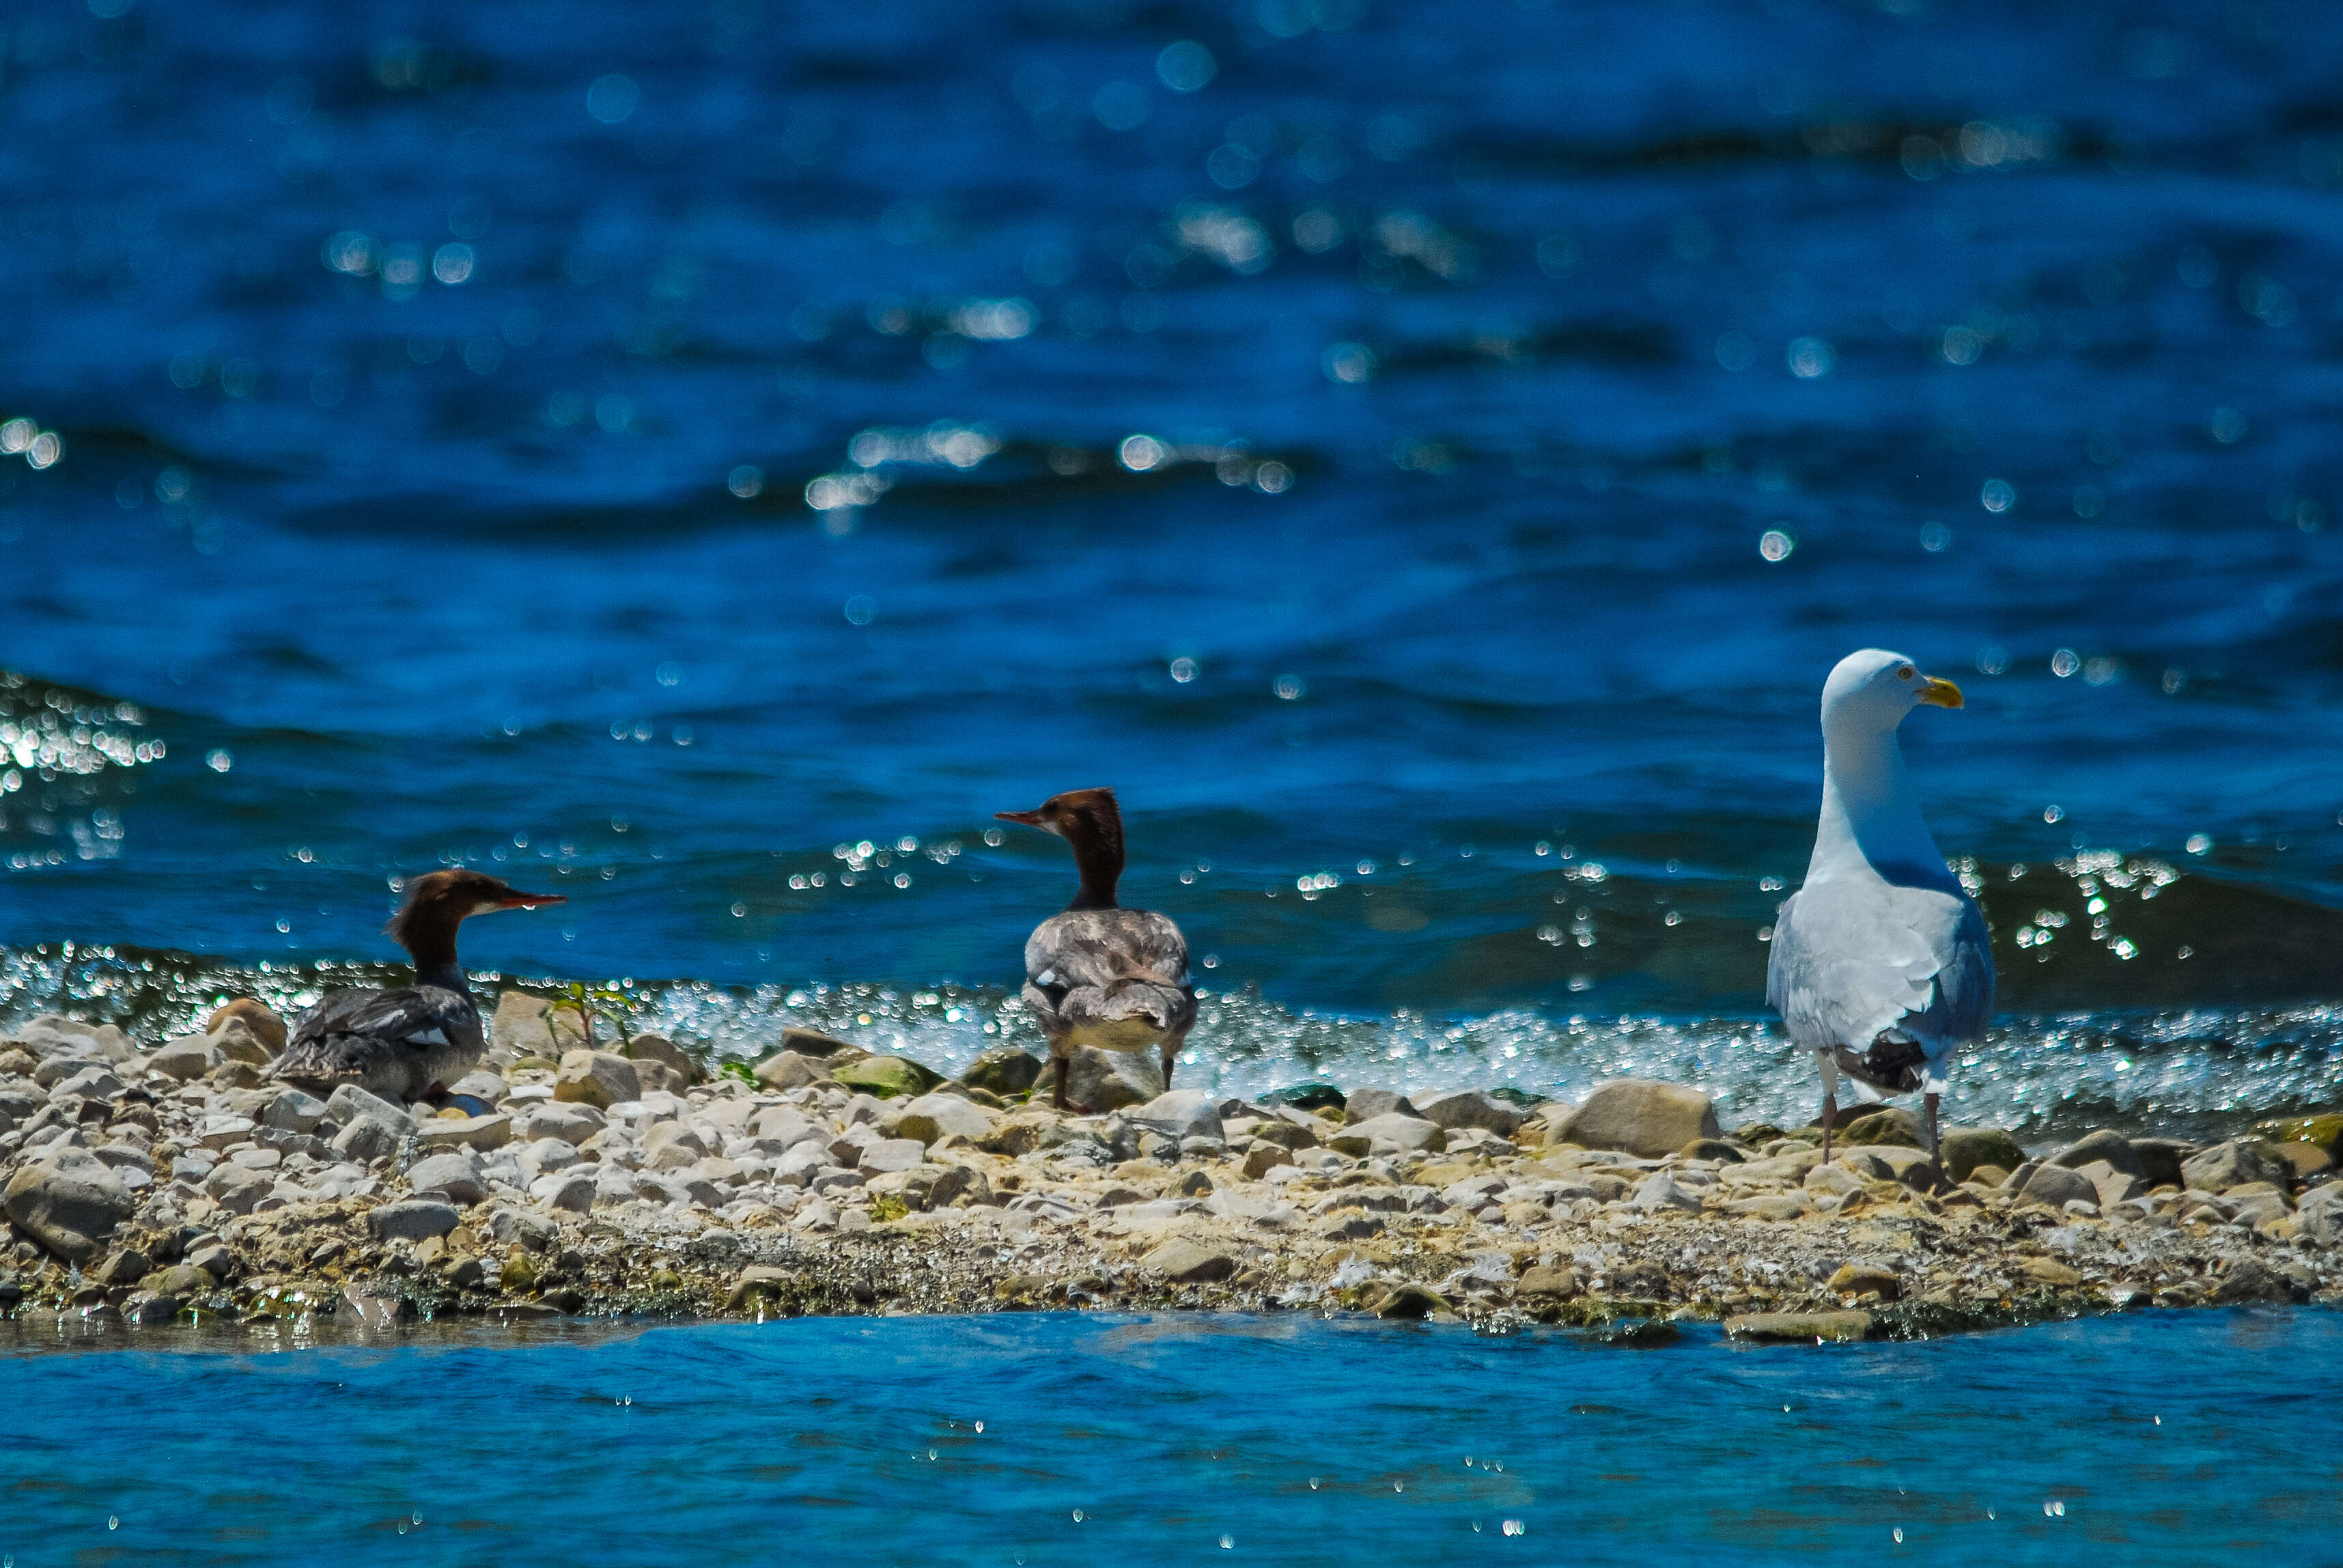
{"x":1830,"y":1100}
{"x":1936,"y":1149}
{"x":1168,"y":1052}
{"x":1060,"y":1102}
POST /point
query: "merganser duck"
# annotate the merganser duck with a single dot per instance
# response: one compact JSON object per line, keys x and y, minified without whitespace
{"x":1881,"y":964}
{"x":407,"y":1043}
{"x":1101,"y":975}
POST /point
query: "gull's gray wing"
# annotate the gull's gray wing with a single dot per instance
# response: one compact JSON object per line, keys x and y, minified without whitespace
{"x":1854,"y":957}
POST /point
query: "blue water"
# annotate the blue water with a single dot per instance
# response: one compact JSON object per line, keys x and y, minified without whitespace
{"x":2164,"y":1438}
{"x":1362,"y":459}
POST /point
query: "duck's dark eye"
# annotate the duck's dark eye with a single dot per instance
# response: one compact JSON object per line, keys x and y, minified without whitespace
{"x":1902,"y":672}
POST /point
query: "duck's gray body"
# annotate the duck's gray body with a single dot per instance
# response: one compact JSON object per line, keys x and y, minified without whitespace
{"x":1115,"y":979}
{"x":392,"y":1043}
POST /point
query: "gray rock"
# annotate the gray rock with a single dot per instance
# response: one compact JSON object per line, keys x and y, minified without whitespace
{"x":569,"y":1123}
{"x":294,"y":1111}
{"x":2162,"y":1158}
{"x":757,"y":1286}
{"x":1110,"y":1080}
{"x":786,"y":1125}
{"x":1350,"y":1227}
{"x":368,"y":1139}
{"x":369,"y":1307}
{"x":519,"y":1227}
{"x":1408,"y":1132}
{"x":961,"y":1182}
{"x":614,"y":1185}
{"x":1831,"y":1179}
{"x":481,"y":1084}
{"x":1968,"y":1147}
{"x":1640,"y":1116}
{"x":1408,"y":1302}
{"x":455,"y":1175}
{"x":124,"y":1157}
{"x":55,"y":1069}
{"x":884,"y":1154}
{"x":2113,"y":1186}
{"x":188,"y":1057}
{"x":677,"y":1136}
{"x":812,"y":1043}
{"x":214,"y":1258}
{"x":1182,"y":1113}
{"x":481,"y":1132}
{"x":53,"y":1032}
{"x":237,"y":1188}
{"x":350,"y":1103}
{"x":598,"y":1078}
{"x":1659,"y":1191}
{"x":1471,"y":1108}
{"x":70,"y":1201}
{"x":566,"y":1190}
{"x":2057,"y":1186}
{"x":1005,"y":1072}
{"x":547,"y":1155}
{"x":1800,"y":1328}
{"x":1471,"y":1191}
{"x":1366,"y":1104}
{"x":218,"y":1132}
{"x":2239,"y":1162}
{"x":2321,"y":1214}
{"x":2106,"y":1145}
{"x":1548,"y":1280}
{"x":93,"y":1082}
{"x":184,"y":1279}
{"x":236,"y":1042}
{"x":659,"y":1048}
{"x":931,"y":1116}
{"x":1187,"y":1263}
{"x":414,"y":1220}
{"x":522,"y":1025}
{"x":786,"y":1070}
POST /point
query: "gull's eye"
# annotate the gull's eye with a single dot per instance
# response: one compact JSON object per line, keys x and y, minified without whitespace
{"x":1902,"y":672}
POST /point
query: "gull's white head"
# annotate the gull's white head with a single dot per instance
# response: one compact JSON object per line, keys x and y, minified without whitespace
{"x":1873,"y":689}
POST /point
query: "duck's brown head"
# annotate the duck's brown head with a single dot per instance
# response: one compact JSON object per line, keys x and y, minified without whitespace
{"x":439,"y":901}
{"x":1090,"y":821}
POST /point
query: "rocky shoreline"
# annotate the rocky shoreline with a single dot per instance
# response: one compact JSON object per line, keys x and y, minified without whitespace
{"x":172,"y":1184}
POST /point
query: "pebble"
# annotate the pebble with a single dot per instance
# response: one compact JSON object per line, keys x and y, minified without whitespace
{"x":1807,"y":1328}
{"x":1430,"y":1204}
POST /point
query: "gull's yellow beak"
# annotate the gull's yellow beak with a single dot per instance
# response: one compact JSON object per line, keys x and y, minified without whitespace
{"x":1940,"y":694}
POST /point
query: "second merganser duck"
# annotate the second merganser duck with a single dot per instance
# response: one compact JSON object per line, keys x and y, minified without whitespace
{"x":407,"y":1043}
{"x":1099,"y":974}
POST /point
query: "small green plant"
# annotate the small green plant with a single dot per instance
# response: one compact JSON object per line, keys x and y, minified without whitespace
{"x":583,"y":998}
{"x":740,"y":1069}
{"x":888,"y":1206}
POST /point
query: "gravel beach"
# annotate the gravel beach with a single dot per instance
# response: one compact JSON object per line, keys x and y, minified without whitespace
{"x":164,"y":1181}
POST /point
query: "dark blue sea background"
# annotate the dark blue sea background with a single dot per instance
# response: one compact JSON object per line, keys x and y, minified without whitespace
{"x":705,"y":458}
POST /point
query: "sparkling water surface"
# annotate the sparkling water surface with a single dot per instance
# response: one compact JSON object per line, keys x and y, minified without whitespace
{"x":2158,"y":1438}
{"x":707,"y":461}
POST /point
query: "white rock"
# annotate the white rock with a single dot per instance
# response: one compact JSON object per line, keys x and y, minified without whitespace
{"x":1659,"y":1190}
{"x":1182,"y":1113}
{"x":564,"y":1189}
